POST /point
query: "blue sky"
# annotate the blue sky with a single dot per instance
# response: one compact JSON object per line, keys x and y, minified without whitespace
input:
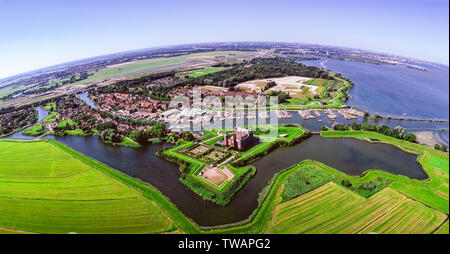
{"x":39,"y":33}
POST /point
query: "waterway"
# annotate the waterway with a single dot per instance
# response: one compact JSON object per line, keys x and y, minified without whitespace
{"x":42,"y":115}
{"x":348,"y":155}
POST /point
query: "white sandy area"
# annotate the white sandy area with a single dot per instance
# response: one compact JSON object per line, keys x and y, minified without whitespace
{"x":428,"y":138}
{"x":291,"y":84}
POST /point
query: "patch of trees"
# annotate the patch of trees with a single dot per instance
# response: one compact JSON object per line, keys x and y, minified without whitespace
{"x":282,"y":96}
{"x":269,"y":85}
{"x":396,"y":132}
{"x":75,"y":78}
{"x":258,"y":68}
{"x":188,"y":136}
{"x":106,"y":125}
{"x":111,"y":135}
{"x":443,"y":148}
{"x":158,"y":130}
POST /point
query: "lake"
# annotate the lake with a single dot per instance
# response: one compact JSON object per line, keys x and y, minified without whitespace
{"x":395,"y":89}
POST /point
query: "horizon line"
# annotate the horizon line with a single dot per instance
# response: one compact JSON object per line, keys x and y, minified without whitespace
{"x":2,"y":79}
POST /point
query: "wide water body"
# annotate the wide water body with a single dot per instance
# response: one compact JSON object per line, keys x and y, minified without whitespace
{"x":395,"y":89}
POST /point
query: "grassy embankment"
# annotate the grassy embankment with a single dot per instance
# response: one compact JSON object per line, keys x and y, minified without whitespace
{"x":35,"y":130}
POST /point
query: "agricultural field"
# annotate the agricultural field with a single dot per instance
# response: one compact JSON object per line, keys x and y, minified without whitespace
{"x":331,"y":209}
{"x":149,"y":64}
{"x":44,"y":189}
{"x":5,"y":91}
{"x":200,"y":72}
{"x":443,"y":229}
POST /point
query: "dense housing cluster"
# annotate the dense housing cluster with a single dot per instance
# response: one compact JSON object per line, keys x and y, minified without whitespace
{"x":14,"y":120}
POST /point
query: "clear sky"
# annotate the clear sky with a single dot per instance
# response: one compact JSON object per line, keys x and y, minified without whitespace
{"x":39,"y":33}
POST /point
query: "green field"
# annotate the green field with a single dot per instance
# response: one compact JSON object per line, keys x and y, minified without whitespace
{"x":50,"y":118}
{"x":131,"y":67}
{"x":35,"y":130}
{"x":45,"y":190}
{"x":331,"y":209}
{"x":201,"y":72}
{"x":66,"y":123}
{"x":4,"y":91}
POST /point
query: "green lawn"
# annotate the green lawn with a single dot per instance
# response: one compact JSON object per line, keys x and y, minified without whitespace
{"x":51,"y":117}
{"x":65,"y":123}
{"x":51,"y":106}
{"x":44,"y":189}
{"x":201,"y":72}
{"x":35,"y":130}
